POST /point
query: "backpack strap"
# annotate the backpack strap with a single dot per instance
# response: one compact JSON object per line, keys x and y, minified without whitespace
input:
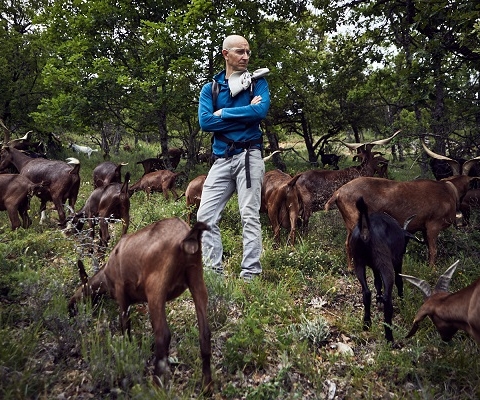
{"x":216,"y":90}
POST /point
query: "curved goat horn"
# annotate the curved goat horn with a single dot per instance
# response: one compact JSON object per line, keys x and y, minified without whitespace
{"x":265,"y":159}
{"x":469,"y":164}
{"x":407,"y":221}
{"x":444,"y":281}
{"x":454,"y":164}
{"x":369,"y":145}
{"x":385,"y":141}
{"x":419,"y":283}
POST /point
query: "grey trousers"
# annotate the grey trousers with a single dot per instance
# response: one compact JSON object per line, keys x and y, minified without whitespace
{"x":225,"y":176}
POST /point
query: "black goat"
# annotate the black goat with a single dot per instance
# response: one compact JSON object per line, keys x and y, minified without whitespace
{"x":379,"y":242}
{"x":330,"y":159}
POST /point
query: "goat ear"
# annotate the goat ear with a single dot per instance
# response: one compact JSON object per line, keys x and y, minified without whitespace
{"x":414,"y":330}
{"x":82,"y":272}
{"x":443,"y":282}
{"x":191,"y":243}
{"x":421,"y":314}
{"x":419,"y":283}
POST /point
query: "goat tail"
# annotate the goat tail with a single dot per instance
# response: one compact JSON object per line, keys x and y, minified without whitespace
{"x":363,"y":220}
{"x":125,"y":183}
{"x":331,"y":201}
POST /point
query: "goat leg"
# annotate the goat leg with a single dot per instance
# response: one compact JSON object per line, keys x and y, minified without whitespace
{"x":162,"y":340}
{"x":200,"y":299}
{"x":360,"y":271}
{"x":378,"y":283}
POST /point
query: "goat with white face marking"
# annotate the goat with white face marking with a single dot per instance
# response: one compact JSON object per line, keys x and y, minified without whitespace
{"x":155,"y":265}
{"x":449,"y":312}
{"x":379,"y":242}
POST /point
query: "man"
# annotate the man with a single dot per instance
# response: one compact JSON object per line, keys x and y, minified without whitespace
{"x":233,"y":114}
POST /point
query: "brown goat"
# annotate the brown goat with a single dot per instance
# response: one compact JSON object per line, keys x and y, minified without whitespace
{"x":155,"y":164}
{"x":157,"y":181}
{"x":280,"y":201}
{"x":15,"y":193}
{"x":380,"y":166}
{"x":449,"y":312}
{"x":193,"y":194}
{"x":105,"y":202}
{"x":107,"y":172}
{"x":316,"y":186}
{"x":152,"y":164}
{"x":63,"y":179}
{"x":433,"y":202}
{"x":155,"y":265}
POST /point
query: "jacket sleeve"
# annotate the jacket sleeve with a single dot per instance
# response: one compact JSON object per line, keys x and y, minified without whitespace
{"x":212,"y":123}
{"x":251,"y":113}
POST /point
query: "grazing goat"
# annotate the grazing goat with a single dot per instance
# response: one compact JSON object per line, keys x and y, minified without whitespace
{"x":193,"y":194}
{"x":316,"y":186}
{"x":107,"y":172}
{"x":444,"y":167}
{"x":379,"y":242}
{"x":205,"y":157}
{"x":63,"y":180}
{"x":449,"y":312}
{"x":380,"y":166}
{"x":281,"y":202}
{"x":104,"y":203}
{"x":15,"y":193}
{"x":82,"y":149}
{"x":157,"y":181}
{"x":158,"y":163}
{"x":433,"y":202}
{"x":152,"y":164}
{"x":155,"y":265}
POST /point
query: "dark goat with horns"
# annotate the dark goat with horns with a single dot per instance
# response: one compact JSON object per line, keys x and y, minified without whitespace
{"x":379,"y":242}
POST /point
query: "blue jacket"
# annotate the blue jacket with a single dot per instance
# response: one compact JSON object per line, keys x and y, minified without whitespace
{"x":240,"y":121}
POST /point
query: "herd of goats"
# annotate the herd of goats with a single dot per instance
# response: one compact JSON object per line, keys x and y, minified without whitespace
{"x":381,"y":215}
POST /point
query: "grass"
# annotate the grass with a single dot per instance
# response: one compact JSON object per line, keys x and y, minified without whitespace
{"x":277,"y":337}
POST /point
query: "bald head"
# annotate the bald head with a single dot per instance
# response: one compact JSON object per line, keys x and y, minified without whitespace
{"x":234,"y":41}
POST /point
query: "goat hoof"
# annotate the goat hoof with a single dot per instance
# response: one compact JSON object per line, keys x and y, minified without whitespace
{"x":207,"y":390}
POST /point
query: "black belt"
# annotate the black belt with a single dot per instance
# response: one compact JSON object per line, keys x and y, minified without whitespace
{"x":232,"y":146}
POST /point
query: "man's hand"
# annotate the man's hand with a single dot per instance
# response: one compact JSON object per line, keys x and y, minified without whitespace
{"x":256,"y":100}
{"x":218,"y":113}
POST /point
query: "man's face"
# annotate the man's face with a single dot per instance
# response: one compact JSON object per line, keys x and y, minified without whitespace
{"x":237,"y":56}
